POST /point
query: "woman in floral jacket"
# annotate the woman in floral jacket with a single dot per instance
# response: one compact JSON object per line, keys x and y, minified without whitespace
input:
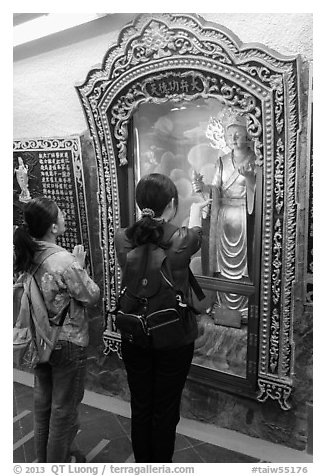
{"x":59,"y":383}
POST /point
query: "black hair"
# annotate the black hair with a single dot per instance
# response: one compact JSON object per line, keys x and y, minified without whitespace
{"x":153,"y":191}
{"x":39,"y":214}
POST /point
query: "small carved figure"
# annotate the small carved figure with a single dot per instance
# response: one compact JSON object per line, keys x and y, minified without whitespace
{"x":22,"y":178}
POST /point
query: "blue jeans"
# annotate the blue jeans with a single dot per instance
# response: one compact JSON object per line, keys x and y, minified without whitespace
{"x":58,"y":390}
{"x":156,"y":379}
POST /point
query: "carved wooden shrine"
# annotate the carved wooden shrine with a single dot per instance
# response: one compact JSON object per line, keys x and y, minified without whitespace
{"x":178,"y":59}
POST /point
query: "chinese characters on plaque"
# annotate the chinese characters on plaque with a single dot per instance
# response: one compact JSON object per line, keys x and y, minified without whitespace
{"x":52,"y":168}
{"x":57,"y":184}
{"x":188,"y":84}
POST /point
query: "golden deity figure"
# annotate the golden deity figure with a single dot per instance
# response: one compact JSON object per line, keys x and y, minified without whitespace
{"x":22,"y":178}
{"x":232,"y":190}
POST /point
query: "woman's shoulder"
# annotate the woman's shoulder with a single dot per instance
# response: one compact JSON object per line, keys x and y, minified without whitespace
{"x":185,"y":232}
{"x":121,"y":241}
{"x":183,"y":236}
{"x":50,"y":251}
{"x":60,"y":259}
{"x":120,"y":234}
{"x":122,"y":245}
{"x":120,"y":237}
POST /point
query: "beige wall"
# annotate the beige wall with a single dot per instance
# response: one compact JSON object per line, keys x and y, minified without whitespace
{"x":45,"y":72}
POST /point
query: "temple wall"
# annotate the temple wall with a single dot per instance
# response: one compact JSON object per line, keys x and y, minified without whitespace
{"x":46,"y":105}
{"x":45,"y":72}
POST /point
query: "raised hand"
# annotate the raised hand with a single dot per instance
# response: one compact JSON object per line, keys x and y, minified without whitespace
{"x":80,"y":254}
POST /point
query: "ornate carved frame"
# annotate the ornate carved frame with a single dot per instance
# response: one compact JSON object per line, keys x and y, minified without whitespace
{"x":158,"y":49}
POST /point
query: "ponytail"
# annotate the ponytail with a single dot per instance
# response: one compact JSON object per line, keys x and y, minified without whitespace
{"x":24,"y":249}
{"x":145,"y":230}
{"x":153,"y":193}
{"x":39,"y":214}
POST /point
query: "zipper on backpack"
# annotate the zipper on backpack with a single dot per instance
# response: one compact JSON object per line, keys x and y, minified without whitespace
{"x":166,"y":279}
{"x":163,"y":324}
{"x":141,"y":318}
{"x":163,"y":310}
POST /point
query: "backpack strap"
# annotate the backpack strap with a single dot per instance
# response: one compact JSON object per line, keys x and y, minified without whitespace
{"x":196,"y":286}
{"x":30,"y":274}
{"x":169,"y":231}
{"x":43,"y":256}
{"x":142,"y":270}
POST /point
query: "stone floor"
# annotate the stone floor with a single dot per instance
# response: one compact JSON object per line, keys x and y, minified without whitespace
{"x":104,"y":436}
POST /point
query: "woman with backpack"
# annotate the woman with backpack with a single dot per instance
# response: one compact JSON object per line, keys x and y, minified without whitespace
{"x":156,"y":377}
{"x":64,"y":284}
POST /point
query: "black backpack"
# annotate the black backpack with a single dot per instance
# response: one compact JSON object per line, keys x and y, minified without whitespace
{"x":151,"y":311}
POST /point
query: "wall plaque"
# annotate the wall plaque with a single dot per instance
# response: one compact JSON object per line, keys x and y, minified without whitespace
{"x":52,"y":167}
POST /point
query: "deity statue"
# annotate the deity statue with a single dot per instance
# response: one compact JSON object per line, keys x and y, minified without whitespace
{"x":22,"y":179}
{"x":232,"y":190}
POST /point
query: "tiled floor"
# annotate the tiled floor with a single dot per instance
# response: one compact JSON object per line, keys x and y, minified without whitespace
{"x":104,"y":437}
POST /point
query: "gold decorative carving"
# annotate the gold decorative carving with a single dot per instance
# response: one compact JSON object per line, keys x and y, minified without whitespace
{"x":112,"y":344}
{"x":276,"y":82}
{"x":274,"y":340}
{"x":279,"y":176}
{"x":199,"y":85}
{"x":308,"y":200}
{"x":275,"y":391}
{"x":277,"y":262}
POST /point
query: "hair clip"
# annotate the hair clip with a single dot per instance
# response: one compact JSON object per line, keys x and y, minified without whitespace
{"x":25,"y":226}
{"x":147,"y":212}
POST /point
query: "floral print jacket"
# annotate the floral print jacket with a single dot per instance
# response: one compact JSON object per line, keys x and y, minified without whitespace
{"x":62,"y":279}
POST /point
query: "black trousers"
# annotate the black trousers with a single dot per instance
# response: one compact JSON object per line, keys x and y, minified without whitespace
{"x":156,"y":379}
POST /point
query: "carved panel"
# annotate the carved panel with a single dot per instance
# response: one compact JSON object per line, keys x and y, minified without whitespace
{"x":179,"y":57}
{"x":54,"y":169}
{"x":308,"y":269}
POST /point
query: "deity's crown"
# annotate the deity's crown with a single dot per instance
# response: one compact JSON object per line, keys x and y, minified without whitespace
{"x":233,"y":118}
